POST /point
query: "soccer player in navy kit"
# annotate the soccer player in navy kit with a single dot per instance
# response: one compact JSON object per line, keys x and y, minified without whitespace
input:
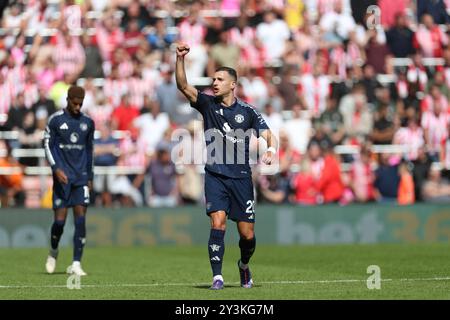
{"x":68,"y":142}
{"x":228,"y":180}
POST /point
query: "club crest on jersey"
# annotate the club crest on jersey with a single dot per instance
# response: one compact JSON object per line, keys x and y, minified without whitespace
{"x":83,"y":126}
{"x":74,"y":137}
{"x":239,"y":118}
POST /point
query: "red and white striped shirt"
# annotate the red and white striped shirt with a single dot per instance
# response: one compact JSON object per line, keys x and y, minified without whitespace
{"x":315,"y":91}
{"x":412,"y":137}
{"x":436,"y":126}
{"x":138,"y":88}
{"x":114,"y":89}
{"x":101,"y":114}
{"x":192,"y":34}
{"x":69,"y":57}
{"x":242,"y":38}
{"x":5,"y":97}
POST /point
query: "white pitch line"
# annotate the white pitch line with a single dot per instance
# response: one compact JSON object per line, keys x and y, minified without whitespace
{"x":287,"y":282}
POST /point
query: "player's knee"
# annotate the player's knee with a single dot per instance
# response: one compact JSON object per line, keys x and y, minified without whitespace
{"x":248,"y":235}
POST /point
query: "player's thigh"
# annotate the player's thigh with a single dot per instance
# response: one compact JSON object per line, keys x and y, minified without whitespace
{"x":61,"y":195}
{"x":242,"y":200}
{"x":216,"y":194}
{"x":79,"y":196}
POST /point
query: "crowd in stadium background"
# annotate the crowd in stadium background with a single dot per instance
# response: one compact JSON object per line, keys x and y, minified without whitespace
{"x":345,"y":83}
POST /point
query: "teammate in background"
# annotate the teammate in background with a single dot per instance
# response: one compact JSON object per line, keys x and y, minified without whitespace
{"x":69,"y":150}
{"x":228,"y":182}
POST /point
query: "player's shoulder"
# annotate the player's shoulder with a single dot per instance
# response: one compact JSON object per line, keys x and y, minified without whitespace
{"x":87,"y":118}
{"x":246,"y":106}
{"x":55,"y":116}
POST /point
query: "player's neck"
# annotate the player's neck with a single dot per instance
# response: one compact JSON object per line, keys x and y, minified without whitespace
{"x":228,"y":100}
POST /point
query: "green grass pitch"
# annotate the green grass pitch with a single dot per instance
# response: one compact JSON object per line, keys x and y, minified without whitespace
{"x":419,"y":271}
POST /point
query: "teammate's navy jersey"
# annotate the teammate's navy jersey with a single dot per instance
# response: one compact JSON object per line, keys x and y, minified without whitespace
{"x":68,"y":142}
{"x":227,"y":134}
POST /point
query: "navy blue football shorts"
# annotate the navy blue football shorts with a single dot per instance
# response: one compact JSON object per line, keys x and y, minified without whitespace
{"x":69,"y":195}
{"x":232,"y":195}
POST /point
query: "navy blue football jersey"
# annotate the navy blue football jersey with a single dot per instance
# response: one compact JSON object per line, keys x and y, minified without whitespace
{"x":227,"y":134}
{"x":68,"y":143}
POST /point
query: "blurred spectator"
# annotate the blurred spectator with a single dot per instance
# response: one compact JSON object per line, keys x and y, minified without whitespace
{"x":287,"y":88}
{"x":273,"y":118}
{"x":359,"y":9}
{"x":164,"y":184}
{"x":391,"y":10}
{"x":436,"y":189}
{"x":30,"y":138}
{"x":362,"y":177}
{"x":435,"y":8}
{"x":400,"y":37}
{"x":16,"y":113}
{"x":434,"y":123}
{"x":273,"y":33}
{"x":387,"y":179}
{"x":69,"y":54}
{"x":58,"y":91}
{"x":132,"y":37}
{"x":330,"y":185}
{"x":359,"y":121}
{"x":411,"y":136}
{"x":192,"y":31}
{"x":223,"y":53}
{"x":371,"y":83}
{"x":377,"y":53}
{"x":406,"y":185}
{"x":287,"y":155}
{"x":135,"y":11}
{"x":429,"y":38}
{"x":123,"y":116}
{"x":383,"y":127}
{"x":303,"y":183}
{"x":293,"y":13}
{"x":11,"y":188}
{"x":255,"y":89}
{"x":93,"y":67}
{"x":299,"y":129}
{"x":314,"y":90}
{"x":106,"y":153}
{"x":215,"y":27}
{"x":332,"y":122}
{"x":160,"y":37}
{"x":152,"y":124}
{"x":421,"y":168}
{"x":337,"y":24}
{"x":273,"y":189}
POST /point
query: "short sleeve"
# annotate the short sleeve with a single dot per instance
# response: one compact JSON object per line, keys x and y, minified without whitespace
{"x":203,"y":102}
{"x":258,"y":123}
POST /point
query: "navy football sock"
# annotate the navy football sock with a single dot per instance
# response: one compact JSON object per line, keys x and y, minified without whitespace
{"x":56,"y":232}
{"x":216,"y":249}
{"x":247,"y":249}
{"x":79,"y":238}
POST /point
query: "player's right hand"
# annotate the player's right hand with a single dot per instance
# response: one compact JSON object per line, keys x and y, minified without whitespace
{"x":182,"y":50}
{"x":61,"y":176}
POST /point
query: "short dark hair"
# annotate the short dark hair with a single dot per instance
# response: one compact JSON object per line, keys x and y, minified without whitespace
{"x":76,"y":92}
{"x":229,"y":70}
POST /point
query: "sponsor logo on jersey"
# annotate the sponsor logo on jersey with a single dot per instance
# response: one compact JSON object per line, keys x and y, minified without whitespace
{"x":74,"y":137}
{"x":226,"y":127}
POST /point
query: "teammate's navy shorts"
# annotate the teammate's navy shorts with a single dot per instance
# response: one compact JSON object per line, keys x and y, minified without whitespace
{"x":232,"y":195}
{"x":69,"y":195}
